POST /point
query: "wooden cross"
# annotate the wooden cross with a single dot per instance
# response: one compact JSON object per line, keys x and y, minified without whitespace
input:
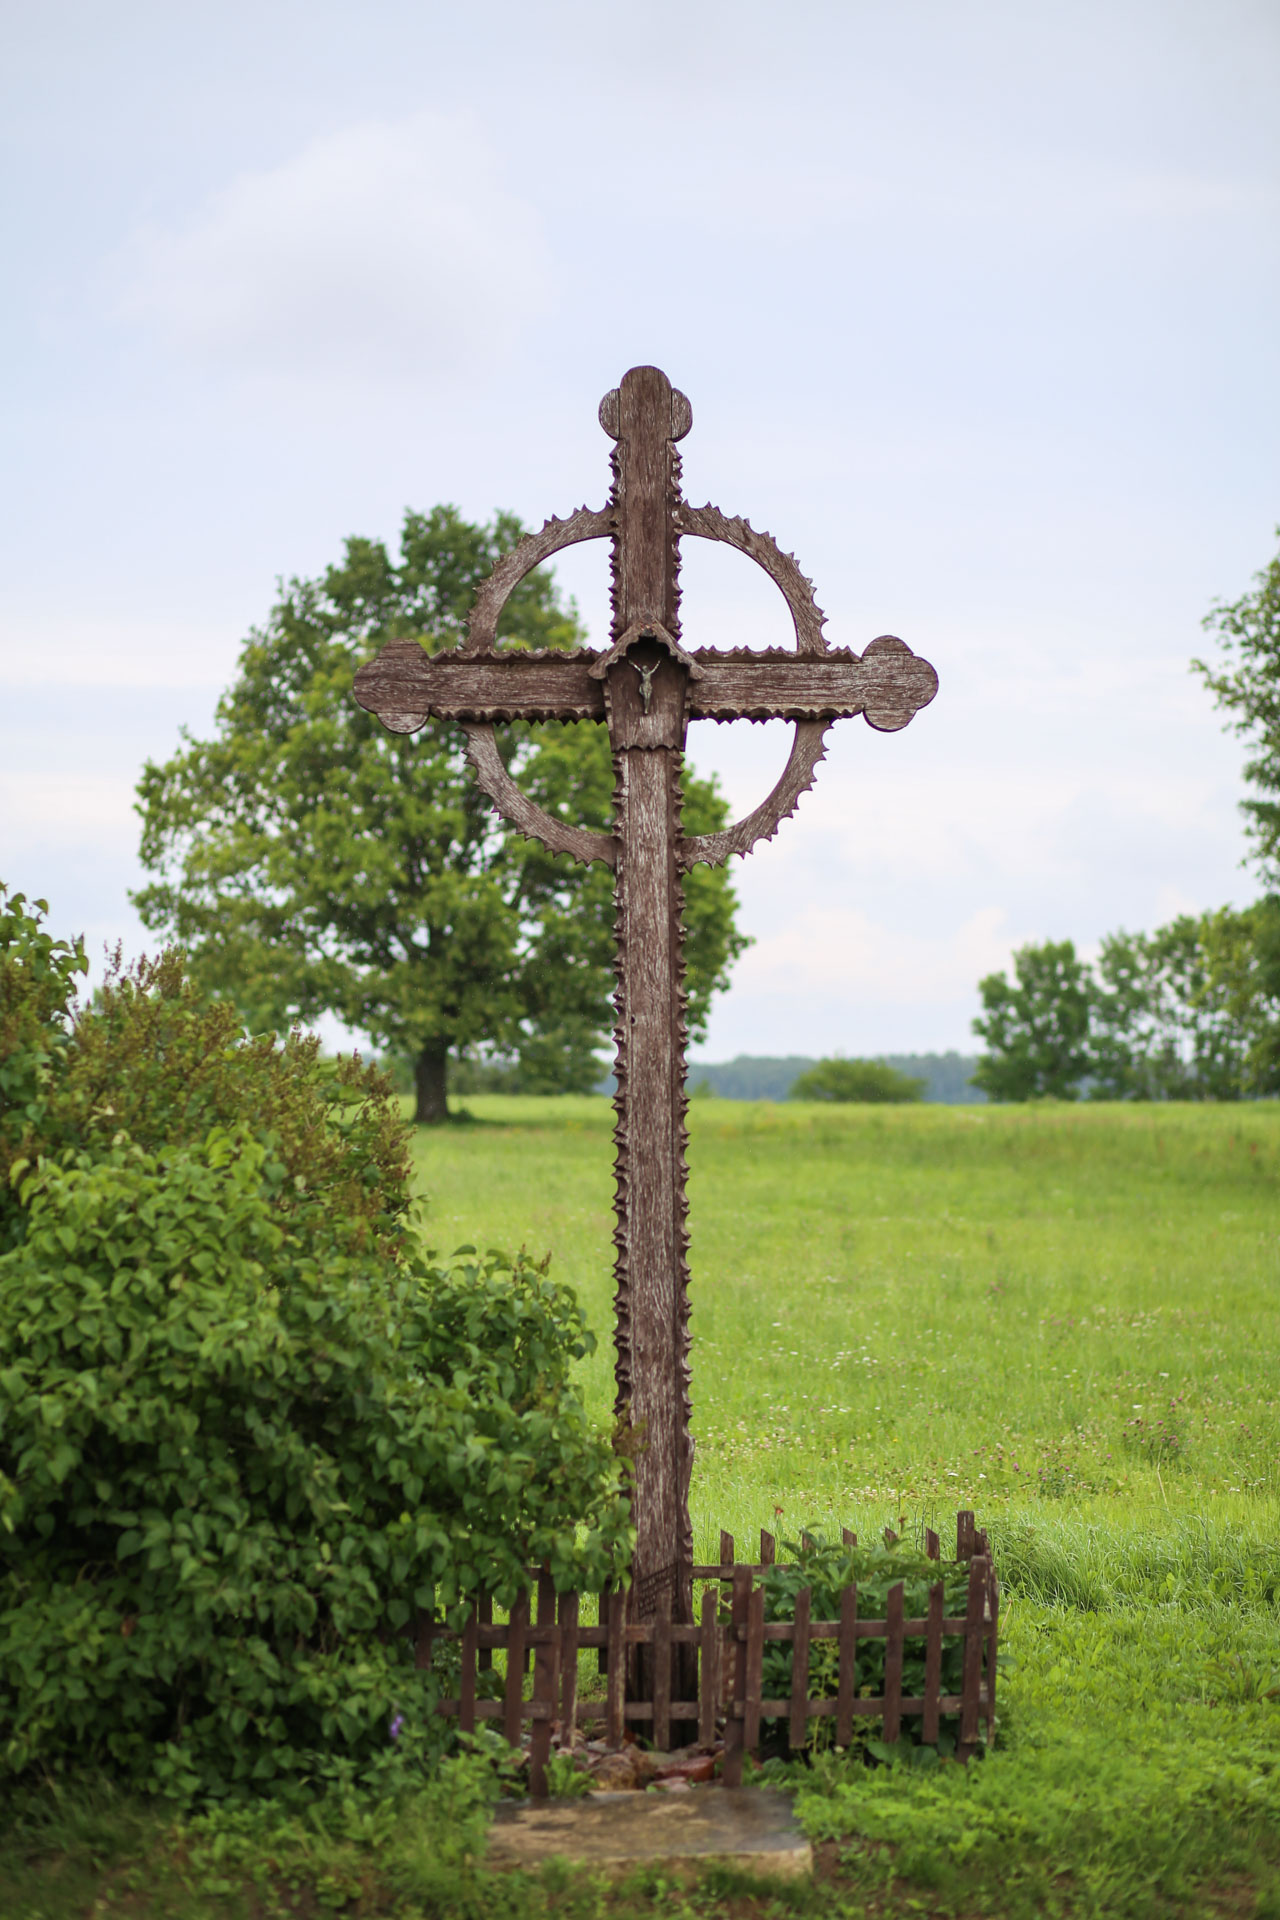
{"x":646,"y":688}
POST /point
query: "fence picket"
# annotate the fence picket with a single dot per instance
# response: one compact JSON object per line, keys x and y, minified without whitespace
{"x":798,"y":1732}
{"x":484,"y":1614}
{"x":709,"y":1668}
{"x":848,"y":1539}
{"x":768,"y":1548}
{"x":755,"y":1670}
{"x":467,"y":1677}
{"x":993,"y":1635}
{"x":964,"y":1534}
{"x":932,"y":1666}
{"x":932,"y":1545}
{"x":661,"y":1657}
{"x":726,"y":1549}
{"x":893,"y":1665}
{"x":546,"y":1676}
{"x":568,"y":1667}
{"x":616,"y":1668}
{"x":513,"y":1698}
{"x":847,"y":1684}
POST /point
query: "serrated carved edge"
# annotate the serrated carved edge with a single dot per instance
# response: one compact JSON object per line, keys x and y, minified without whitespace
{"x":526,"y":816}
{"x":584,"y":523}
{"x":808,"y":747}
{"x":808,"y":742}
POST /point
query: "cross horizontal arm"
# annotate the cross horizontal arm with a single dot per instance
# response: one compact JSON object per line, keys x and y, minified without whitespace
{"x":888,"y":685}
{"x":405,"y":685}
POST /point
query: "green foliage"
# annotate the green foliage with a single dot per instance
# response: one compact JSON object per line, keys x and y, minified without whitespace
{"x":860,"y":1080}
{"x":37,"y":989}
{"x":1245,"y":683}
{"x":248,"y":1429}
{"x":1037,"y":1026}
{"x":1189,"y":1012}
{"x":827,"y":1568}
{"x":311,"y":862}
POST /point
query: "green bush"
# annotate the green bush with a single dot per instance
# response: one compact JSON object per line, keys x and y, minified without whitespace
{"x":248,"y":1428}
{"x":855,"y":1080}
{"x":827,"y":1568}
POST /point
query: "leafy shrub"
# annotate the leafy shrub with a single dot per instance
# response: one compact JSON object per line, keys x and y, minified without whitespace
{"x":855,"y":1080}
{"x":248,"y":1428}
{"x":827,"y":1569}
{"x":37,"y":987}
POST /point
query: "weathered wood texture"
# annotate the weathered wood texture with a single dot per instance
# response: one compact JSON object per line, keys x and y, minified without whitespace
{"x":406,"y":685}
{"x":722,"y":1663}
{"x":645,"y":687}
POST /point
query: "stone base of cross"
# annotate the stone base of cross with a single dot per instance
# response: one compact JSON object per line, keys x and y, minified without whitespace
{"x":646,"y":688}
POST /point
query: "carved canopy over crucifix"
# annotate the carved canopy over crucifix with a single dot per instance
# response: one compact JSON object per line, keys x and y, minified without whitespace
{"x":646,"y":688}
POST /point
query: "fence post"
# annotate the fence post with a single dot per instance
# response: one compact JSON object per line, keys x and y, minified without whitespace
{"x":546,"y":1677}
{"x":736,"y":1673}
{"x":974,"y":1631}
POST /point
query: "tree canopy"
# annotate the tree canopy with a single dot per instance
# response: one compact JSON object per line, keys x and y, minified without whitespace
{"x":312,"y":863}
{"x":1189,"y":1012}
{"x":855,"y":1080}
{"x":1245,"y":683}
{"x":1036,"y":1026}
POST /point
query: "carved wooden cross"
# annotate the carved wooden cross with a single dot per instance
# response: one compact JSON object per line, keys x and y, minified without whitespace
{"x":645,"y":688}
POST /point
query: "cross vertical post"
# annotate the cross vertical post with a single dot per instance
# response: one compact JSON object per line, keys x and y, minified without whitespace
{"x":645,"y":675}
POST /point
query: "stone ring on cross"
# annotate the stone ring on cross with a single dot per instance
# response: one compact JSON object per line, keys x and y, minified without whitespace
{"x":646,"y":688}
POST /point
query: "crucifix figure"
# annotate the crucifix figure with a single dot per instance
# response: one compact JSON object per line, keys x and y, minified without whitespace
{"x":646,"y":688}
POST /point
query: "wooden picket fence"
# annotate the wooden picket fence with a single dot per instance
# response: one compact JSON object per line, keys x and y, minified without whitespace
{"x":728,"y":1657}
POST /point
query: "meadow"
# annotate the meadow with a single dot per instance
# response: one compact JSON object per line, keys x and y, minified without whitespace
{"x":896,"y":1311}
{"x":1064,"y":1317}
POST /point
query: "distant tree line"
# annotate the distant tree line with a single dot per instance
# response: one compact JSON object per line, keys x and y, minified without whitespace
{"x":943,"y":1077}
{"x":1189,"y":1012}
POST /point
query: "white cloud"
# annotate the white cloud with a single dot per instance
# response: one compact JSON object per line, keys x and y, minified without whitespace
{"x":383,"y":252}
{"x":66,"y":809}
{"x":99,"y":650}
{"x":838,"y":948}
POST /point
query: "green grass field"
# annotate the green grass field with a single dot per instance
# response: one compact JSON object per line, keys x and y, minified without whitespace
{"x":897,"y":1311}
{"x":1067,"y":1318}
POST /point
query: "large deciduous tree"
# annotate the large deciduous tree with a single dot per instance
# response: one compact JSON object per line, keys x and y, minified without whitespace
{"x":312,"y":863}
{"x":1245,"y":682}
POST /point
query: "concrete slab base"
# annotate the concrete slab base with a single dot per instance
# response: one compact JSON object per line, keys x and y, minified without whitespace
{"x":748,"y":1827}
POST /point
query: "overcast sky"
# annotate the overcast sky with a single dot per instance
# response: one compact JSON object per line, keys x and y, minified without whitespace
{"x":979,"y":313}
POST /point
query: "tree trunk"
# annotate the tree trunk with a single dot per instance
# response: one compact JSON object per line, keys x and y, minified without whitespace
{"x":430,"y":1084}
